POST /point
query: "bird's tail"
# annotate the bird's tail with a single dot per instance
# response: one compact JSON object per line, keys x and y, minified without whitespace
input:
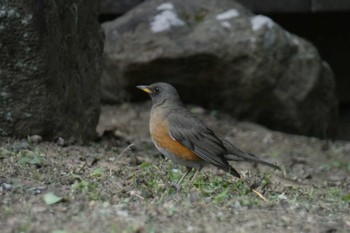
{"x":236,"y":154}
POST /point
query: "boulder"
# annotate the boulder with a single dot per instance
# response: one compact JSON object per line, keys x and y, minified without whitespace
{"x":221,"y":56}
{"x":50,"y":68}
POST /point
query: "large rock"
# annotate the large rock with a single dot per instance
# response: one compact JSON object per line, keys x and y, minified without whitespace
{"x":50,"y":68}
{"x":299,"y":6}
{"x":220,"y":55}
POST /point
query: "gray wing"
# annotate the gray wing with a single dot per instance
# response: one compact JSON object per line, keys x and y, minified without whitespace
{"x":192,"y":133}
{"x":236,"y":154}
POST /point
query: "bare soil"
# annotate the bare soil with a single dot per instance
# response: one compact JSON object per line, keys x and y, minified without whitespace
{"x":122,"y":184}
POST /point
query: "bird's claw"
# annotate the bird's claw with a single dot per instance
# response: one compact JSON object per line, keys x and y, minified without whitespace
{"x":176,"y":186}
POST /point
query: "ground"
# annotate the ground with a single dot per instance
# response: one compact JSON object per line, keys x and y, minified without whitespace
{"x":122,"y":184}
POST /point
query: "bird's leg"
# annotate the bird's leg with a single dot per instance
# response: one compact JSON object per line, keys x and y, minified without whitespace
{"x":255,"y":191}
{"x":188,"y":170}
{"x":194,"y":176}
{"x":177,"y":184}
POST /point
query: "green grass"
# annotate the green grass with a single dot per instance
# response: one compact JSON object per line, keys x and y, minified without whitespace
{"x":120,"y":196}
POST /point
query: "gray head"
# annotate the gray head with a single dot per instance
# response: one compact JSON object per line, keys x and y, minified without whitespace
{"x":161,"y":93}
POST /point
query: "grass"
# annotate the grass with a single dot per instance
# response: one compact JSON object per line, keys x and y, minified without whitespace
{"x":94,"y":190}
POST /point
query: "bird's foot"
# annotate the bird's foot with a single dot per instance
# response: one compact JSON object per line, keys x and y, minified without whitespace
{"x":176,"y":186}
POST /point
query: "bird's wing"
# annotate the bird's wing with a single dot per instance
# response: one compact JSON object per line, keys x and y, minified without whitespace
{"x":185,"y":128}
{"x":236,"y":154}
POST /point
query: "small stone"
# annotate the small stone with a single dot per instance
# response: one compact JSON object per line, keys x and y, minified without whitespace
{"x":37,"y":190}
{"x":60,"y":141}
{"x":5,"y":187}
{"x":35,"y":139}
{"x":92,"y":203}
{"x":21,"y":146}
{"x":122,"y":213}
{"x":39,"y":209}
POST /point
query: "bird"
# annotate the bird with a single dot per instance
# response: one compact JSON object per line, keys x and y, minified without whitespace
{"x":183,"y":138}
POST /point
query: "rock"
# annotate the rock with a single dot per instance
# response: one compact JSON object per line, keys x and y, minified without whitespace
{"x":113,"y":7}
{"x":50,"y":68}
{"x":60,"y":141}
{"x":18,"y":146}
{"x":5,"y":187}
{"x":296,"y":6}
{"x":221,"y":56}
{"x":35,"y":139}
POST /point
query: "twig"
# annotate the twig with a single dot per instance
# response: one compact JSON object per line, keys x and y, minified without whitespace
{"x":123,"y":151}
{"x":260,"y":195}
{"x":120,"y":154}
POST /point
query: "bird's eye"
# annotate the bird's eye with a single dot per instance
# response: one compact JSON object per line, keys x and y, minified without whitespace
{"x":156,"y":90}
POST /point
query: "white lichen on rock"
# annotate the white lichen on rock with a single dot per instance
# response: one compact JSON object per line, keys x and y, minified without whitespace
{"x":231,"y":13}
{"x":166,"y":19}
{"x":260,"y":21}
{"x":165,"y":6}
{"x":226,"y":24}
{"x":26,"y":19}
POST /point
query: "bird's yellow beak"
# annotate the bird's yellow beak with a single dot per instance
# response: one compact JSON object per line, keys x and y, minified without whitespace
{"x":144,"y":88}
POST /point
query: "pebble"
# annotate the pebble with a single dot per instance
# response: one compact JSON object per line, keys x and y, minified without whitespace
{"x":5,"y":187}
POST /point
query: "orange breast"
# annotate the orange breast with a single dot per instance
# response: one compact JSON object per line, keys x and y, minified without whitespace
{"x":160,"y":134}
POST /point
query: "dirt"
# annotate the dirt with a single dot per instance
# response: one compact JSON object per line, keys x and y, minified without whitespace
{"x":122,"y":184}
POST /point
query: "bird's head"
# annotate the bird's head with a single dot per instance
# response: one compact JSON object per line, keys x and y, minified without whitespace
{"x":161,"y":93}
